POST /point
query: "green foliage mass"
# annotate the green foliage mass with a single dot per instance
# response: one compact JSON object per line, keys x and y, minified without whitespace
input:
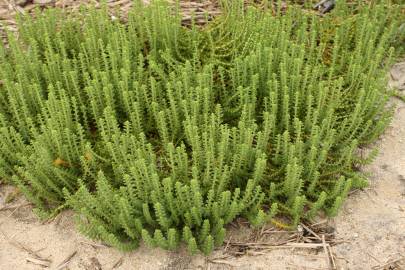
{"x":158,"y":132}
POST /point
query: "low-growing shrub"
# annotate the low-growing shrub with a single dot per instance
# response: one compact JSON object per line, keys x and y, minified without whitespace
{"x":152,"y":130}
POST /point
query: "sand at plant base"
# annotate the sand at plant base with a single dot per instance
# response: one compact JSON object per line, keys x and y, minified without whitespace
{"x":372,"y":224}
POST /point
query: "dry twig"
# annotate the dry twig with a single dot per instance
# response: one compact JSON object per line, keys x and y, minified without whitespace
{"x":311,"y":231}
{"x":23,"y":247}
{"x":66,"y":261}
{"x":391,"y":264}
{"x":94,"y":245}
{"x":14,"y":207}
{"x":118,"y":263}
{"x":325,"y":249}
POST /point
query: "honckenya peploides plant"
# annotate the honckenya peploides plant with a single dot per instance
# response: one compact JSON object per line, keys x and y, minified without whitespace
{"x":150,"y":130}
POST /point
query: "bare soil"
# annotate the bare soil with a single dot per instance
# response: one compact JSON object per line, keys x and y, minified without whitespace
{"x":369,"y":232}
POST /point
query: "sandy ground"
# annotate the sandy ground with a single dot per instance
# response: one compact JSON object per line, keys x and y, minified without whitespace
{"x":371,"y":227}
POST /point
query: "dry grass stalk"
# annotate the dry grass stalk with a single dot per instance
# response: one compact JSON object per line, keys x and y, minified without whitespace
{"x":44,"y":263}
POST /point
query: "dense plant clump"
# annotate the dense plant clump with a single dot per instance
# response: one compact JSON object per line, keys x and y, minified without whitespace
{"x":151,"y":130}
